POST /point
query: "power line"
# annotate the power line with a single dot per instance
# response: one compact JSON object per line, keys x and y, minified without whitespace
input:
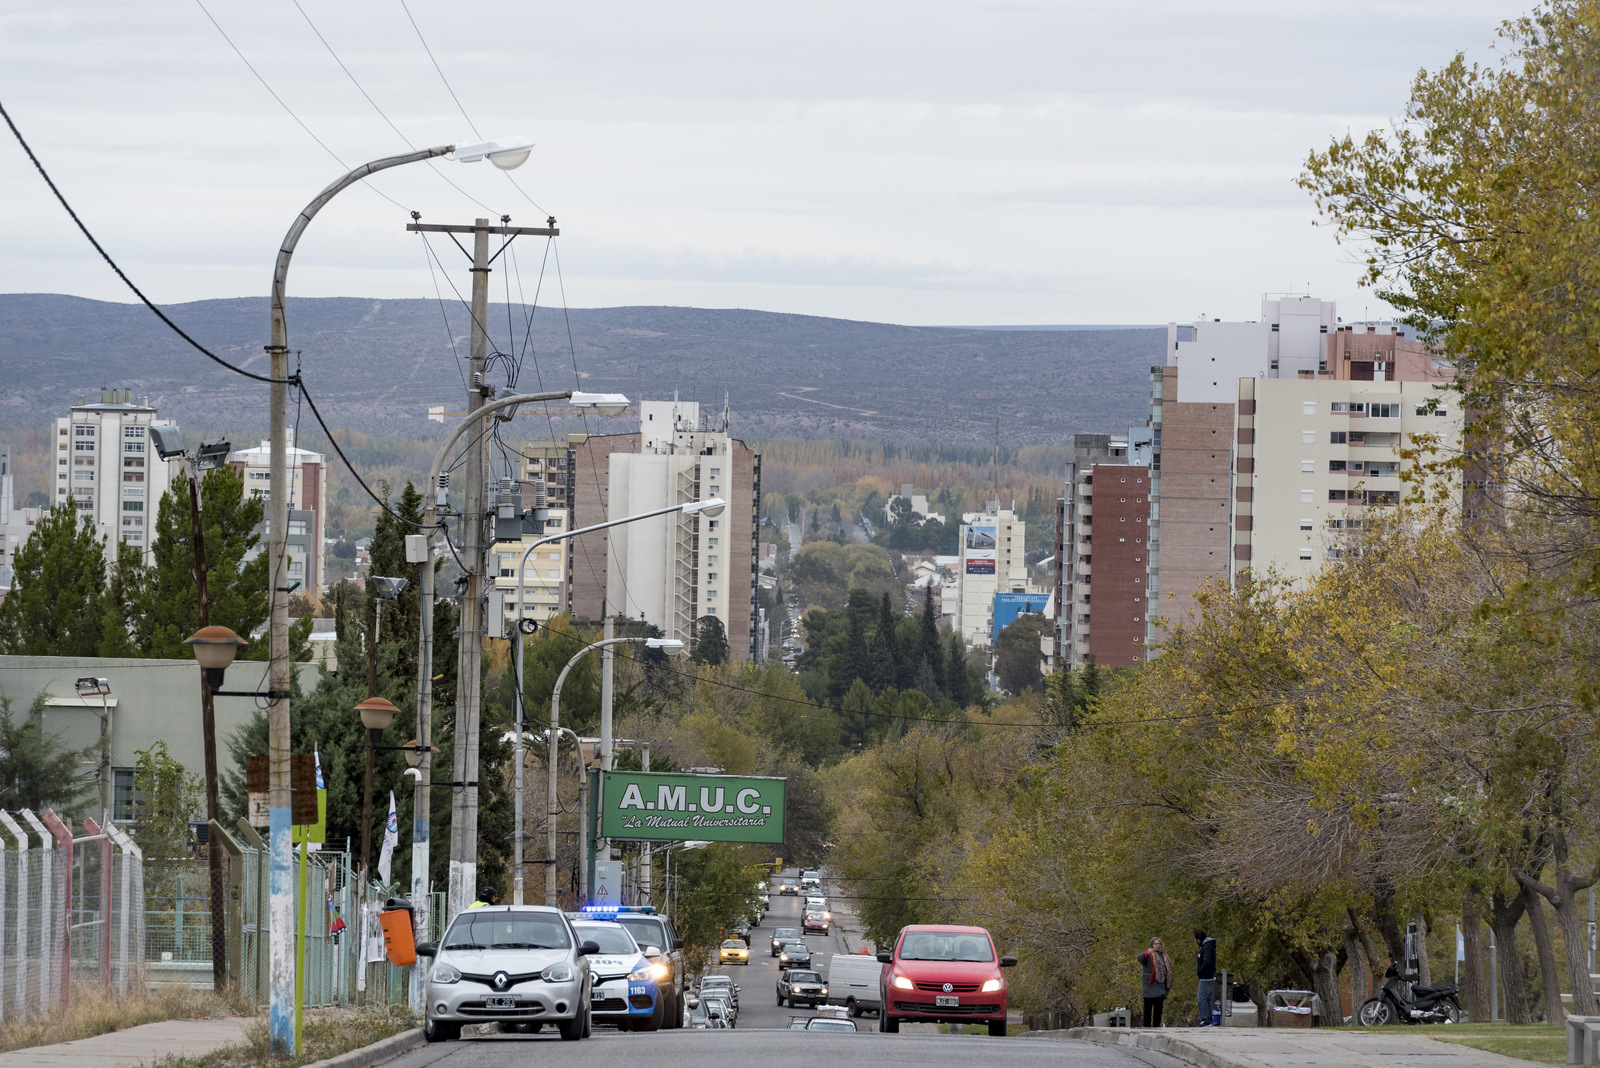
{"x":288,"y":109}
{"x":113,"y":263}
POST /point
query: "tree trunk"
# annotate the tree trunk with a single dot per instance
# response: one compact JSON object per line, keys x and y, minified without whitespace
{"x":1388,"y":923}
{"x":1562,"y":893}
{"x":1555,"y":1013}
{"x":1473,"y":987}
{"x":1323,"y":971}
{"x":1360,"y":970}
{"x":1424,"y":969}
{"x":1504,"y":916}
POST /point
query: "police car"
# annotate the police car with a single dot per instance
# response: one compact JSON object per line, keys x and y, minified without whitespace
{"x":626,"y":989}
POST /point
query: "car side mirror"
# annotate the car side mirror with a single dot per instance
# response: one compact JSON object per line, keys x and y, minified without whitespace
{"x":588,"y":949}
{"x":652,"y":951}
{"x":885,"y":958}
{"x":1008,"y":962}
{"x":736,"y":986}
{"x":694,"y":1002}
{"x":677,"y":943}
{"x":427,"y":949}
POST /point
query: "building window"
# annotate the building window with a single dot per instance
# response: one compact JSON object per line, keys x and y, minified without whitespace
{"x":1383,"y":411}
{"x":711,"y":559}
{"x":1307,"y":466}
{"x":711,"y":576}
{"x":1306,"y":524}
{"x":133,"y":506}
{"x":713,"y":523}
{"x":1337,"y":437}
{"x":1305,"y":496}
{"x":711,"y":609}
{"x":712,"y":542}
{"x":1336,"y":465}
{"x":1308,"y":437}
{"x":1308,"y":407}
{"x":715,"y":471}
{"x":123,"y":795}
{"x":1338,"y":406}
{"x":1336,"y":495}
{"x":1305,"y":554}
{"x":83,"y":446}
{"x":133,"y":446}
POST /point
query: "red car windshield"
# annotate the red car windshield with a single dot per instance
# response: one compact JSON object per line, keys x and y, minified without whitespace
{"x":939,"y":945}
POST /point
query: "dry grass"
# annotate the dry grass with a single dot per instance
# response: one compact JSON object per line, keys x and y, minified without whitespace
{"x":92,"y":1012}
{"x":324,"y":1033}
{"x":1539,"y":1043}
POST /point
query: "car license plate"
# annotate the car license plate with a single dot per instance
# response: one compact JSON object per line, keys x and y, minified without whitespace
{"x":946,"y":1001}
{"x":500,"y":1003}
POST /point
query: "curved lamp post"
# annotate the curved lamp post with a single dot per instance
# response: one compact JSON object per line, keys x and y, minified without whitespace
{"x":552,"y":806}
{"x":282,"y":1035}
{"x":711,"y":508}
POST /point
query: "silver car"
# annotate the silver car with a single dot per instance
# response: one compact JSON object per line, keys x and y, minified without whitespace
{"x":508,"y":964}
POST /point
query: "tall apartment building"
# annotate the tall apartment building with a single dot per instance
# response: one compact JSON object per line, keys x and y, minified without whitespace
{"x":547,"y":582}
{"x":992,"y":546}
{"x":1192,"y":406}
{"x":673,"y":569}
{"x":308,"y":505}
{"x":1100,"y":597}
{"x":1315,"y":454}
{"x":106,"y":466}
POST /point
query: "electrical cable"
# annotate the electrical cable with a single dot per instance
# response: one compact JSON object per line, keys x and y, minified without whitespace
{"x":281,"y":103}
{"x":442,"y":176}
{"x":326,"y":430}
{"x":146,"y":301}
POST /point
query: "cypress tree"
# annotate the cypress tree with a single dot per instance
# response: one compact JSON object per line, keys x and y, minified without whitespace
{"x":957,"y":683}
{"x":54,"y":607}
{"x":928,"y":649}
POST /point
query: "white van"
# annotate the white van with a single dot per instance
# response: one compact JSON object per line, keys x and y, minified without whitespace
{"x":853,"y":981}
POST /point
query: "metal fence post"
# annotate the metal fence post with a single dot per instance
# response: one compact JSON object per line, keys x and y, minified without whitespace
{"x":105,"y":900}
{"x":47,"y":930}
{"x":65,"y":860}
{"x":22,"y":911}
{"x":130,"y":938}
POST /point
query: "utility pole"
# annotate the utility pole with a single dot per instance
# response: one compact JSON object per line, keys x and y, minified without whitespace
{"x":208,"y":722}
{"x":464,"y":799}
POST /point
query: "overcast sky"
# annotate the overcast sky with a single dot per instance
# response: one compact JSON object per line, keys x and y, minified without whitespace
{"x":926,"y":162}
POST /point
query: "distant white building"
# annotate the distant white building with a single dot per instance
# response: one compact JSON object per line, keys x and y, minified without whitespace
{"x":308,"y":506}
{"x":992,"y":544}
{"x":106,"y":466}
{"x":919,"y":505}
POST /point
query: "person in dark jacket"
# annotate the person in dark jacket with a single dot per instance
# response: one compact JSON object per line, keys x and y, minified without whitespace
{"x":1157,"y":967}
{"x":1205,"y":968}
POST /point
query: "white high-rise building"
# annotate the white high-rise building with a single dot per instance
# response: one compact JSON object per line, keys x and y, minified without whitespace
{"x":992,"y":545}
{"x":107,"y":467}
{"x":308,"y":505}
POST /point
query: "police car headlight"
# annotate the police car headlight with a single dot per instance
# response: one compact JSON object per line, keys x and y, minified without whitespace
{"x":643,"y":974}
{"x":557,"y":973}
{"x":443,"y":973}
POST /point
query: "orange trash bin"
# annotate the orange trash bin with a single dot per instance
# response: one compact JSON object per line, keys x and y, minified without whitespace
{"x":399,"y":938}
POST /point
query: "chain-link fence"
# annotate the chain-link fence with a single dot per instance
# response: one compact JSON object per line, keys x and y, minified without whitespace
{"x":71,"y":911}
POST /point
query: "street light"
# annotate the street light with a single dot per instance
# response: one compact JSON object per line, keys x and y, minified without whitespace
{"x":376,"y":715}
{"x":94,"y":686}
{"x":505,"y":154}
{"x":214,"y":647}
{"x":552,"y":806}
{"x":419,"y":550}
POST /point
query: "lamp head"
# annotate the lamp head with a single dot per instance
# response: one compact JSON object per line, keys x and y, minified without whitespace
{"x":214,"y":646}
{"x":376,"y":713}
{"x":93,"y":686}
{"x":668,"y":645}
{"x":507,"y":153}
{"x":413,"y":755}
{"x":607,"y":404}
{"x":709,"y":508}
{"x":387,"y":589}
{"x":212,"y":454}
{"x":168,"y":441}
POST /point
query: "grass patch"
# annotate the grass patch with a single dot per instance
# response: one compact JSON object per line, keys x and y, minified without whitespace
{"x":325,"y":1033}
{"x":92,"y":1012}
{"x":1540,"y":1043}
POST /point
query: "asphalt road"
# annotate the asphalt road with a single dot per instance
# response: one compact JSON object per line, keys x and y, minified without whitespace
{"x":762,"y":1036}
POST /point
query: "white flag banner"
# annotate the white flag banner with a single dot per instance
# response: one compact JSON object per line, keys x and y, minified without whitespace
{"x":391,"y":838}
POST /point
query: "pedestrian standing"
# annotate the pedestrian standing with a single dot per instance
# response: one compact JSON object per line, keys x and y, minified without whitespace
{"x":1205,"y":969}
{"x":1157,"y":981}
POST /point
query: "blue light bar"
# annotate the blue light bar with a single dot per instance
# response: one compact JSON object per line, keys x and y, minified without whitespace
{"x":612,"y":910}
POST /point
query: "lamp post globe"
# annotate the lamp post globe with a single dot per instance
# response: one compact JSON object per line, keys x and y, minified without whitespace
{"x":214,"y":646}
{"x":376,"y":713}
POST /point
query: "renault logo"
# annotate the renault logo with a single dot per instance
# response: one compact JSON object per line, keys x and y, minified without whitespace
{"x":947,"y":987}
{"x":501,"y":980}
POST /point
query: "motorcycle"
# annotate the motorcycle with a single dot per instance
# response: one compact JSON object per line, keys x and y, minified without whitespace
{"x":1402,"y":1001}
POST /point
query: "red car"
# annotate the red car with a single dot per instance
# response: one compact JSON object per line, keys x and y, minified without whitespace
{"x":941,"y":973}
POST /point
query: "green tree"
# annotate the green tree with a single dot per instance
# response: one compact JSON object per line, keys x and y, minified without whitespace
{"x":1018,"y":655}
{"x":167,"y":798}
{"x":710,"y":641}
{"x":36,"y":770}
{"x":59,"y":574}
{"x":929,"y":648}
{"x":958,"y":680}
{"x":167,"y":610}
{"x":885,"y":649}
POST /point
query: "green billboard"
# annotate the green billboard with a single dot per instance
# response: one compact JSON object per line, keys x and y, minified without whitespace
{"x":684,"y":808}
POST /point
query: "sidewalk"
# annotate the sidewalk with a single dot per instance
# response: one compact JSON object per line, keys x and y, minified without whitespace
{"x":1283,"y":1047}
{"x":144,"y":1044}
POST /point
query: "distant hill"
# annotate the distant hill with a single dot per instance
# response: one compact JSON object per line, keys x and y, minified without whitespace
{"x":376,"y":366}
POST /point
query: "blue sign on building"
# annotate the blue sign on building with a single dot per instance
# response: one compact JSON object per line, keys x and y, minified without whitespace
{"x":1008,"y":606}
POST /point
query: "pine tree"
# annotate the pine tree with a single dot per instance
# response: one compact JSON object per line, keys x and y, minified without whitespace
{"x":710,"y":641}
{"x":168,"y":610}
{"x":36,"y":770}
{"x":885,"y":650}
{"x":856,"y":720}
{"x":59,"y":575}
{"x":929,"y":651}
{"x":958,"y":684}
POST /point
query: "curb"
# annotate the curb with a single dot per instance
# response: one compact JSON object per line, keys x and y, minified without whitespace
{"x":1152,"y":1040}
{"x":382,"y":1050}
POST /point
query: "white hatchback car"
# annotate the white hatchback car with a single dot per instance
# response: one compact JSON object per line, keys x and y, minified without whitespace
{"x":508,"y":964}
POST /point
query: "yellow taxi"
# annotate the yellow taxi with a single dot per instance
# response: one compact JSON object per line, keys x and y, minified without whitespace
{"x":733,"y":951}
